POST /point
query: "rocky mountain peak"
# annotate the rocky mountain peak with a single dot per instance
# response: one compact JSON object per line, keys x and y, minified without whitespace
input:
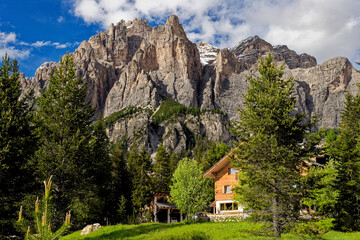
{"x":251,"y":45}
{"x":248,"y":51}
{"x":134,"y":66}
{"x":207,"y":53}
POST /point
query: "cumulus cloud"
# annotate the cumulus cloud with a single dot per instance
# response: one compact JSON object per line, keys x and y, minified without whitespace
{"x":6,"y":39}
{"x":19,"y":49}
{"x":41,"y":44}
{"x":61,"y":45}
{"x":323,"y":28}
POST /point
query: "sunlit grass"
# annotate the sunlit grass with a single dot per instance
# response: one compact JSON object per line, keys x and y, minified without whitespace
{"x":198,"y":231}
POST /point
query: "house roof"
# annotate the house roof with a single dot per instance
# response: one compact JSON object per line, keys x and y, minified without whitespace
{"x":211,"y":172}
{"x":166,"y":205}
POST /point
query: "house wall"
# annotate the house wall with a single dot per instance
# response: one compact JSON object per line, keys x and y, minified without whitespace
{"x":223,"y":179}
{"x":218,"y":211}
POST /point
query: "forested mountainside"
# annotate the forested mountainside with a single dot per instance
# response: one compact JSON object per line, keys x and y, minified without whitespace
{"x":136,"y":74}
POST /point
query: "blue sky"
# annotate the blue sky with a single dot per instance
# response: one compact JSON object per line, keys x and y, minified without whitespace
{"x":37,"y":31}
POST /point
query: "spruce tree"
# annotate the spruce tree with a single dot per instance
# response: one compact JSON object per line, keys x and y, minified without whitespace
{"x":66,"y":150}
{"x":271,"y":146}
{"x":139,"y":167}
{"x":346,"y":150}
{"x":101,"y":167}
{"x":17,"y":144}
{"x":162,"y":170}
{"x":119,"y":199}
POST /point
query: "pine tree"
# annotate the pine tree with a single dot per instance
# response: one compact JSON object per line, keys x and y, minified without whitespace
{"x":214,"y":154}
{"x":101,"y":167}
{"x":66,"y":150}
{"x":119,"y":199}
{"x":271,"y":146}
{"x":346,"y":150}
{"x":139,"y":167}
{"x":161,"y":170}
{"x":17,"y":144}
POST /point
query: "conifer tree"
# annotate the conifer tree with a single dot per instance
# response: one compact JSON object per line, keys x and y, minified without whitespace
{"x":271,"y":146}
{"x":346,"y":150}
{"x":161,"y":170}
{"x":101,"y":166}
{"x":139,"y":167}
{"x":67,"y":149}
{"x":119,"y":199}
{"x":17,"y":144}
{"x":214,"y":154}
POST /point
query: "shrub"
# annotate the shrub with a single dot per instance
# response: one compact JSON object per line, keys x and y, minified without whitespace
{"x":42,"y":219}
{"x":125,"y":112}
{"x":314,"y":227}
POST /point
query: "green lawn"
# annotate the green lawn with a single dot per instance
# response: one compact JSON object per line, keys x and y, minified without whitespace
{"x":198,"y":231}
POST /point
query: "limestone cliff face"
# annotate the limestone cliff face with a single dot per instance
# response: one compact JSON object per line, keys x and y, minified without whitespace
{"x":248,"y":51}
{"x":166,"y":65}
{"x":178,"y":133}
{"x":135,"y":65}
{"x":321,"y":90}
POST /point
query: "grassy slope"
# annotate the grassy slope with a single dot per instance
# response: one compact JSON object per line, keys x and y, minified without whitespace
{"x":181,"y":231}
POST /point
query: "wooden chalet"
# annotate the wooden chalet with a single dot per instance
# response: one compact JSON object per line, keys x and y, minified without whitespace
{"x":226,"y":177}
{"x":165,"y":212}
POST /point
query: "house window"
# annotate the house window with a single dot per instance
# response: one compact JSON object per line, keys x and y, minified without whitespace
{"x":229,"y":206}
{"x":232,"y":171}
{"x":227,"y":189}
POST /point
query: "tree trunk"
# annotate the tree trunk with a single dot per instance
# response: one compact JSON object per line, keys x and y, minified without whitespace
{"x":276,"y":223}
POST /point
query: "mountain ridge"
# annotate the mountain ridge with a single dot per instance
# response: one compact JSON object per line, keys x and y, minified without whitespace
{"x":132,"y":64}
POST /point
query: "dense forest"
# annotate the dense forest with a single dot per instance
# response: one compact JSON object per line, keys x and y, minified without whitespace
{"x":54,"y":137}
{"x":96,"y":180}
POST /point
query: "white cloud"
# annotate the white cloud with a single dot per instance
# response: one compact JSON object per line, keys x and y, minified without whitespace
{"x":6,"y":39}
{"x":20,"y":49}
{"x":41,"y":44}
{"x":323,"y":28}
{"x":14,"y":53}
{"x":61,"y":45}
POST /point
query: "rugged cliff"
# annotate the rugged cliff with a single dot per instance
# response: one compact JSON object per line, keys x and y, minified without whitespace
{"x":132,"y":69}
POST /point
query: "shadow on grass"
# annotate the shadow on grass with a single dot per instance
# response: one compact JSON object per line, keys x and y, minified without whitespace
{"x":135,"y":231}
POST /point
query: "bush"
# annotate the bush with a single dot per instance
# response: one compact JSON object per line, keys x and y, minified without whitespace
{"x":314,"y":227}
{"x":125,"y":112}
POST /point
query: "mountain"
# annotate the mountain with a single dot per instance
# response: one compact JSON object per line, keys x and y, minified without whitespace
{"x":153,"y":84}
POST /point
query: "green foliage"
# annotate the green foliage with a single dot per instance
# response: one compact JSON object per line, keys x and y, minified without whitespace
{"x":17,"y":145}
{"x":322,"y":193}
{"x":119,"y":203}
{"x":214,"y":154}
{"x":271,"y":146}
{"x":161,"y":169}
{"x":319,"y":227}
{"x":42,"y":219}
{"x":122,"y":212}
{"x":148,"y":216}
{"x":76,"y":156}
{"x":139,"y":167}
{"x":345,"y":148}
{"x":123,"y":113}
{"x":189,"y":191}
{"x":170,"y":108}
